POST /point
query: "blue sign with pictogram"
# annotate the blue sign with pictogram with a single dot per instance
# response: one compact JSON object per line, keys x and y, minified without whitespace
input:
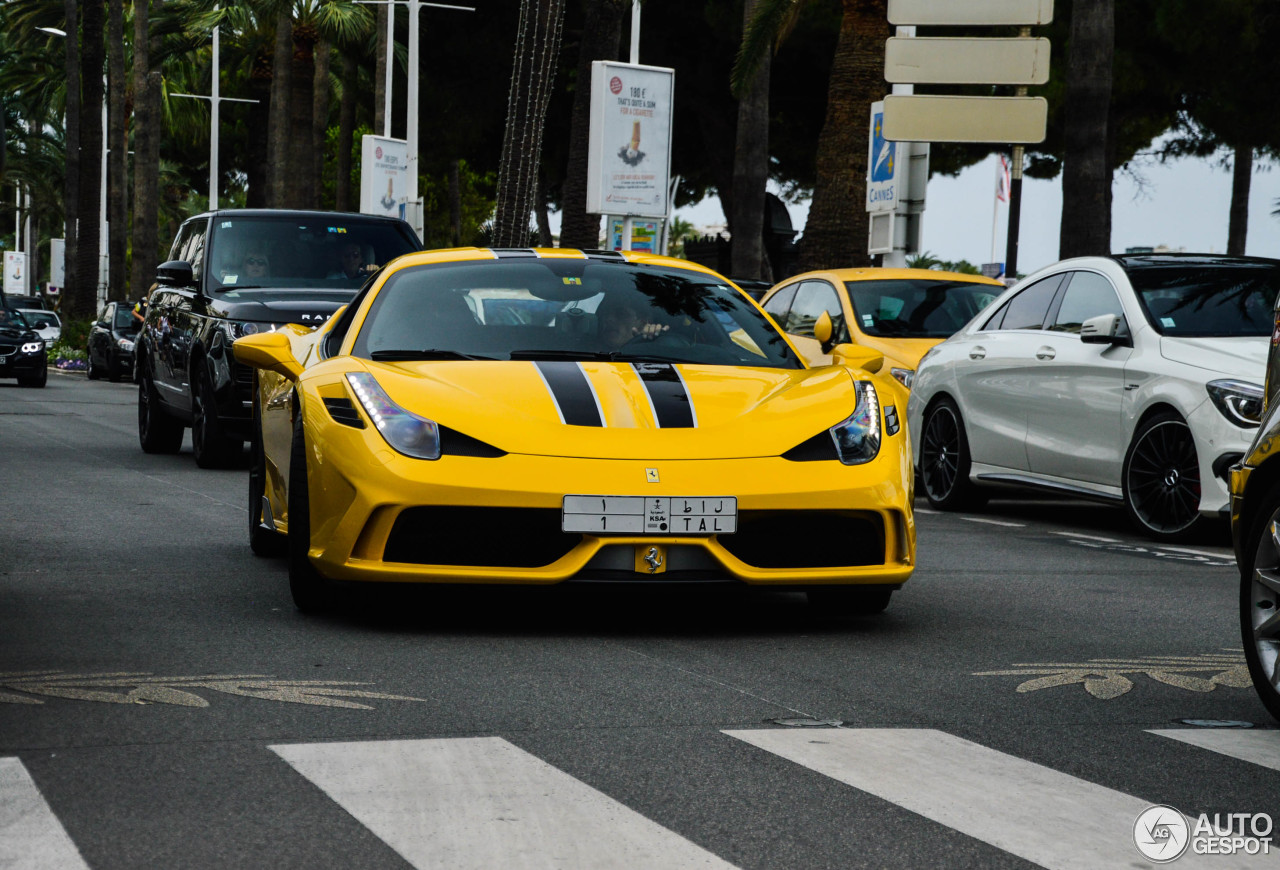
{"x":883,"y":178}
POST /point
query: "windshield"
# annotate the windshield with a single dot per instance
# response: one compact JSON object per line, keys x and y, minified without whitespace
{"x":11,"y":319}
{"x":568,"y":309}
{"x":298,"y":251}
{"x":125,"y":321}
{"x":917,"y":307}
{"x":47,"y":316}
{"x":1208,"y":299}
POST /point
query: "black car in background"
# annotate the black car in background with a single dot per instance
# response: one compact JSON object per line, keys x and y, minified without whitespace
{"x":233,"y":273}
{"x":22,"y":351}
{"x":111,"y":342}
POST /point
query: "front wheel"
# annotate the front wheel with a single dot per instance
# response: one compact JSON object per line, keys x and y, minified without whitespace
{"x":1260,"y":601}
{"x":1161,"y":479}
{"x":209,"y":442}
{"x":157,"y":431}
{"x":310,"y":590}
{"x":39,"y":379}
{"x":945,"y":460}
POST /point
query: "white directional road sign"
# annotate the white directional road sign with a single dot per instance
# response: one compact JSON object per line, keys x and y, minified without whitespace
{"x":970,"y":12}
{"x":923,"y":118}
{"x":964,"y":60}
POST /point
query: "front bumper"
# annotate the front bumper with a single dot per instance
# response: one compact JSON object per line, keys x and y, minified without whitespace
{"x":14,"y":363}
{"x":360,"y":489}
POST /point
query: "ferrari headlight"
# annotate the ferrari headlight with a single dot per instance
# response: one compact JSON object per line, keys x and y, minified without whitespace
{"x":124,"y":344}
{"x":406,"y":432}
{"x":32,"y":347}
{"x":857,"y":439}
{"x":903,"y":376}
{"x":1239,"y":401}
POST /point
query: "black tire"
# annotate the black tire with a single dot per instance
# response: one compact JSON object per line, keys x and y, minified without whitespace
{"x":849,"y":600}
{"x":1161,"y":479}
{"x":158,"y":432}
{"x":263,"y":541}
{"x":39,"y":379}
{"x":93,"y":372}
{"x":1260,"y":600}
{"x":311,"y":592}
{"x":209,"y":442}
{"x":945,"y":459}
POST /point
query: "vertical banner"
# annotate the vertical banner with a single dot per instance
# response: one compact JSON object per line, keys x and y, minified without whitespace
{"x":384,"y":176}
{"x":57,"y":266}
{"x":15,"y":272}
{"x":884,"y":180}
{"x":629,"y":159}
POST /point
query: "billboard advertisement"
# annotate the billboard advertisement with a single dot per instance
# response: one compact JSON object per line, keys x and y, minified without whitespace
{"x":629,"y":162}
{"x":384,"y":176}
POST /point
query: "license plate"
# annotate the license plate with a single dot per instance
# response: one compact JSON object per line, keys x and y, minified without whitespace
{"x":649,"y":515}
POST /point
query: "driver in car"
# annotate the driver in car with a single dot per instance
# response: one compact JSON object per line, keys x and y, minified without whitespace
{"x":619,"y":320}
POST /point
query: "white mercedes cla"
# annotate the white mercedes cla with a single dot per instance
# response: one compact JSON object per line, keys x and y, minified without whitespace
{"x":1127,"y":379}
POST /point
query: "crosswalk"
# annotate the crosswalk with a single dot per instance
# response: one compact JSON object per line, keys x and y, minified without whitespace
{"x":483,"y":802}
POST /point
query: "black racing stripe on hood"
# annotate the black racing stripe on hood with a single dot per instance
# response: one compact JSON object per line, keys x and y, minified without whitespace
{"x":572,"y":393}
{"x":667,"y":393}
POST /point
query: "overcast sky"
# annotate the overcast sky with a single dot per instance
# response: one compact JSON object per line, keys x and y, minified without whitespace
{"x":1182,"y":204}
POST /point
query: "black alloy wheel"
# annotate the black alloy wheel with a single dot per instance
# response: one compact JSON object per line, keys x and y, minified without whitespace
{"x":158,"y":432}
{"x":945,"y":460}
{"x":263,"y":540}
{"x":94,"y":372}
{"x":209,"y":443}
{"x":1260,"y":600}
{"x":311,"y":591}
{"x":1161,"y":478}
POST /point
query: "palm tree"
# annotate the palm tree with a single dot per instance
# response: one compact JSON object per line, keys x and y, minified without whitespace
{"x":1086,"y":172}
{"x":836,"y":232}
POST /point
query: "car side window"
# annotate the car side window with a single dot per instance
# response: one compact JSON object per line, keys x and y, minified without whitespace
{"x":813,"y":298}
{"x":193,"y":250}
{"x":780,"y":303}
{"x":1027,"y":310}
{"x":1088,"y":295}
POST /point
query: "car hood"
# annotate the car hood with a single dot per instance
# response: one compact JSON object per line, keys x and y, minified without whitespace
{"x":276,"y":305}
{"x":520,"y":406}
{"x":13,"y":333}
{"x":1236,"y":356}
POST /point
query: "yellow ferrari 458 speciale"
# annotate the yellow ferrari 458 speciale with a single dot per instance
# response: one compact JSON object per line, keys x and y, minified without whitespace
{"x":541,"y":416}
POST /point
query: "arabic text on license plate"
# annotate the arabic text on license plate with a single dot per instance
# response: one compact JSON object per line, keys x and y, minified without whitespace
{"x":650,"y":515}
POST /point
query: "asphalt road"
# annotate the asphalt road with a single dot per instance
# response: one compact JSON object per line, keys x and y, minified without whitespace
{"x":162,"y":704}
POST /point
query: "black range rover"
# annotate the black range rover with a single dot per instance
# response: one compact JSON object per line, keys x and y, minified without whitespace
{"x":233,"y":273}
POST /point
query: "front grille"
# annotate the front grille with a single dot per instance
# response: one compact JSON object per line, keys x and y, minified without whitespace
{"x":807,"y":539}
{"x":481,"y":536}
{"x":6,"y":349}
{"x":243,"y":376}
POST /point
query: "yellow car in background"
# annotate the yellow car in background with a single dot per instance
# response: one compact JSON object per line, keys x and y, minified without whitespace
{"x":900,"y":313}
{"x":543,"y":416}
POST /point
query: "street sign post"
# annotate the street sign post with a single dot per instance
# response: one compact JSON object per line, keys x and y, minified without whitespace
{"x":962,"y":60}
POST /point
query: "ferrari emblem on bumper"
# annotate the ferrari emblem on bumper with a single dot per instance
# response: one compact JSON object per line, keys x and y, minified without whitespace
{"x":651,"y":475}
{"x":651,"y":560}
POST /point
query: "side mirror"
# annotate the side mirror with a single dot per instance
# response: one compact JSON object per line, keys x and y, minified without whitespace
{"x":822,"y":328}
{"x":858,"y":357}
{"x":102,"y":324}
{"x":271,"y":351}
{"x":175,"y":273}
{"x":1103,"y":329}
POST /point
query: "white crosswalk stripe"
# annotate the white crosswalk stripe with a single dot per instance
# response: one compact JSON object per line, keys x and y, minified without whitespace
{"x":31,"y":837}
{"x":1261,"y":747}
{"x":484,"y":803}
{"x":1047,"y":817}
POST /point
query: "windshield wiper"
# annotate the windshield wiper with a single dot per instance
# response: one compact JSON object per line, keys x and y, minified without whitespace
{"x":415,"y":355}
